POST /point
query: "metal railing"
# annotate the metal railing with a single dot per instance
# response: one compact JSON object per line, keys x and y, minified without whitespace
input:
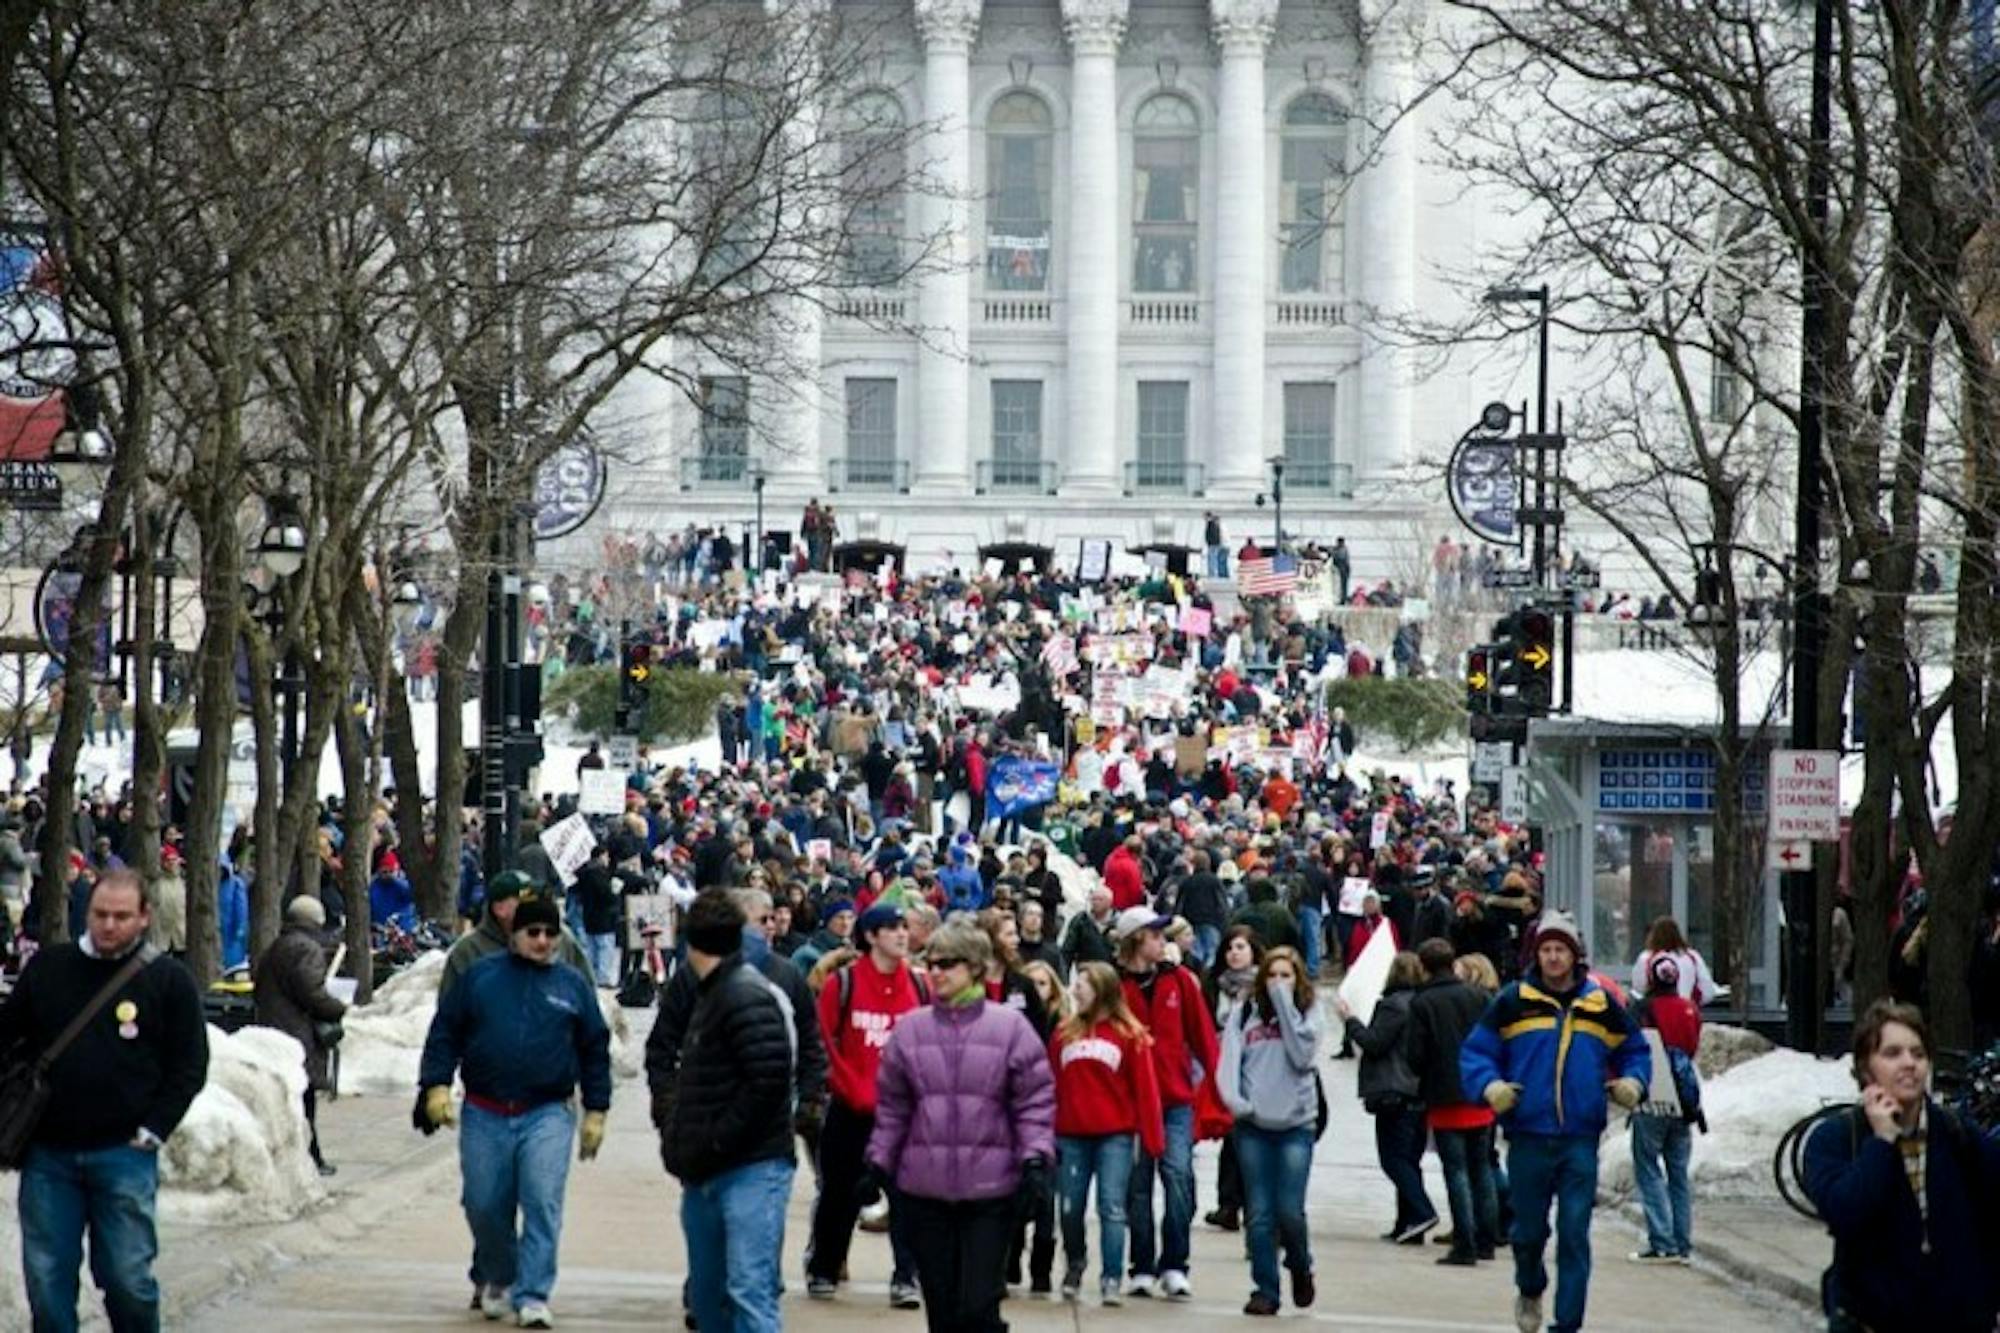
{"x":1164,"y":477}
{"x":1013,"y":309}
{"x":1016,"y":476}
{"x":870,"y":307}
{"x":716,"y":472}
{"x":1328,"y":477}
{"x":846,"y":472}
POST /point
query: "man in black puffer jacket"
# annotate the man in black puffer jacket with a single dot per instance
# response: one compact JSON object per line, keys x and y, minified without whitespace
{"x":1443,"y":1010}
{"x":726,"y":1124}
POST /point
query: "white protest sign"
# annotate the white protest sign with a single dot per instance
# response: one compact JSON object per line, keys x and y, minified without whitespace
{"x":1662,"y":1097}
{"x":819,"y":849}
{"x":1378,"y":829}
{"x":1352,"y":890}
{"x":568,"y":844}
{"x":602,"y":793}
{"x":1368,"y":976}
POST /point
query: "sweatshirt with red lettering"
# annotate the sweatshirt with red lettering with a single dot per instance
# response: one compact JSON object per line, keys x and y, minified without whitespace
{"x":856,"y":1039}
{"x":1105,"y":1085}
{"x":1168,"y":1001}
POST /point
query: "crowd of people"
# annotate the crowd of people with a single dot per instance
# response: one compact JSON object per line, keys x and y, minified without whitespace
{"x":989,"y":1019}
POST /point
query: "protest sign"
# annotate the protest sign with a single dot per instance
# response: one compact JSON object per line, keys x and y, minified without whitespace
{"x":569,"y":843}
{"x":1368,"y":976}
{"x":602,"y":791}
{"x":1195,"y":621}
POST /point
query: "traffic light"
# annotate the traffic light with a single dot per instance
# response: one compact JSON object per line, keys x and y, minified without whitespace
{"x":1524,"y":662}
{"x":1479,"y":680}
{"x":635,"y":676}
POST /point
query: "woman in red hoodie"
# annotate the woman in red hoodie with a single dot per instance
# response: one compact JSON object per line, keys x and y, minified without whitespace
{"x":1105,"y":1092}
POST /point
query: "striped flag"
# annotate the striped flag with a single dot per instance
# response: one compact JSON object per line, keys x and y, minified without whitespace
{"x":1267,"y":576}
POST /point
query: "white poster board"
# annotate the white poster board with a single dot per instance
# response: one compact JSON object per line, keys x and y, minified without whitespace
{"x":569,"y":844}
{"x":1369,"y":975}
{"x":1352,"y":890}
{"x":1662,"y":1097}
{"x":602,"y":792}
{"x":648,"y":911}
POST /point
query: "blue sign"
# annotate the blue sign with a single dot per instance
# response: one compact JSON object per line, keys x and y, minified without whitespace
{"x":1015,"y":786}
{"x":568,"y":489}
{"x":1675,"y":782}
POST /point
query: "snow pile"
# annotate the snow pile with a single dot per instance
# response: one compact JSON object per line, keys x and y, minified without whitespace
{"x":242,"y":1152}
{"x":1749,"y":1108}
{"x":1724,"y":1047}
{"x":385,"y":1038}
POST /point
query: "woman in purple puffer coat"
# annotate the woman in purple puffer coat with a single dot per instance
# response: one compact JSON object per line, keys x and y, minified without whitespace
{"x":964,"y":1133}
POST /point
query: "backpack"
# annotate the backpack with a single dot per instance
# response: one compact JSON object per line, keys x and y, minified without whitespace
{"x":1687,"y":1085}
{"x":844,"y":979}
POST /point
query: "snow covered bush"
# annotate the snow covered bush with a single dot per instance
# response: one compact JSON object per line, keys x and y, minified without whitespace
{"x":241,"y":1154}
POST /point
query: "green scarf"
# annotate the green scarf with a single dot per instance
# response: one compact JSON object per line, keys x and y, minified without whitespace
{"x":972,"y":994}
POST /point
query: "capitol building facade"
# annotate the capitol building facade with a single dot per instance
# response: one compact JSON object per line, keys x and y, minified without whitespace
{"x":1172,"y":224}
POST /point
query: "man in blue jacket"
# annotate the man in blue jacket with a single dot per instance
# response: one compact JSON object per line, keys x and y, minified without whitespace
{"x":1547,"y":1055}
{"x":524,"y":1032}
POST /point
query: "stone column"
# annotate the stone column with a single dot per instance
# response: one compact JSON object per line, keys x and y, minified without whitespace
{"x":1090,"y":268}
{"x":943,"y":461}
{"x":1237,"y":446}
{"x":1387,"y":247}
{"x":791,"y":455}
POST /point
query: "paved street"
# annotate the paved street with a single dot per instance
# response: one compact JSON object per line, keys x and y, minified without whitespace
{"x":623,"y":1258}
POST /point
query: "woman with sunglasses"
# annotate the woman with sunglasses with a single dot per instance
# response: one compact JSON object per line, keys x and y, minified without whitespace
{"x":964,"y":1131}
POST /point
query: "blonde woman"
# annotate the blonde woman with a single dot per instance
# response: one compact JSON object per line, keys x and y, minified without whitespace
{"x":1106,"y":1092}
{"x":1476,"y":970}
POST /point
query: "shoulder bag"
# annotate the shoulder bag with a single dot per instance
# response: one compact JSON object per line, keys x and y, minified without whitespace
{"x":24,"y":1087}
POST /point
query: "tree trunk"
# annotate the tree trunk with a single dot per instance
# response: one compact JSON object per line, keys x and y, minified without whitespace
{"x":267,"y":890}
{"x":355,"y":819}
{"x":215,"y":721}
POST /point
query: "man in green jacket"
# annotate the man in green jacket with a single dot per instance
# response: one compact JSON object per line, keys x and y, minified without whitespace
{"x":490,"y":936}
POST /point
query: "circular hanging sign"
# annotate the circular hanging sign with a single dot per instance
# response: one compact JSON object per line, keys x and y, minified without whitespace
{"x":1483,"y":483}
{"x":568,"y":489}
{"x":55,"y":613}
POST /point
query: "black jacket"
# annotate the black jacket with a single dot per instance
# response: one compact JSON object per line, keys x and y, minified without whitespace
{"x":1386,"y":1077}
{"x":677,"y":1001}
{"x":732,"y":1096}
{"x":1442,"y":1011}
{"x":290,"y":995}
{"x":1431,"y":920}
{"x":1203,"y":900}
{"x":137,"y":1064}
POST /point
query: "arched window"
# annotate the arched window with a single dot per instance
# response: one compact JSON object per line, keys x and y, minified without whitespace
{"x":872,"y":173}
{"x":1312,"y":173}
{"x":1020,"y":186}
{"x":1166,"y":195}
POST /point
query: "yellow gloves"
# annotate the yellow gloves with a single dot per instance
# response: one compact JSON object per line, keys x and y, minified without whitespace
{"x":438,"y":1108}
{"x":1502,"y":1097}
{"x":591,"y":1138}
{"x":1627,"y":1092}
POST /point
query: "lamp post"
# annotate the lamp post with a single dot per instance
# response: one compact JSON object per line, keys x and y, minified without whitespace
{"x":281,"y":551}
{"x":1278,"y":505}
{"x":757,"y":485}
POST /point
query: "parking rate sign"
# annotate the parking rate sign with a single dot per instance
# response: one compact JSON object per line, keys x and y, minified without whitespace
{"x":1805,"y":796}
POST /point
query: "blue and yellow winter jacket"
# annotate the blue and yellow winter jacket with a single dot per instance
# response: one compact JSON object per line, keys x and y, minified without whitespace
{"x":1561,"y":1049}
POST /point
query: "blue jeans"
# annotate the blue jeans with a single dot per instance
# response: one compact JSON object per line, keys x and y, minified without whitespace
{"x":735,"y":1229}
{"x":109,"y":1191}
{"x":1669,"y":1205}
{"x":1312,"y":930}
{"x":514,"y":1169}
{"x":1469,"y":1188}
{"x":603,"y":952}
{"x":1176,"y":1172}
{"x":1276,"y":1164}
{"x":1218,"y":562}
{"x":1109,"y":1157}
{"x":1559,"y":1169}
{"x":1207,"y":940}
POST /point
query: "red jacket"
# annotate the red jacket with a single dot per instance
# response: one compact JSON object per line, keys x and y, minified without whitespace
{"x":1105,"y":1084}
{"x":1123,"y":878}
{"x":1183,"y":1031}
{"x":1678,"y":1021}
{"x":1364,"y":931}
{"x":854,"y":1046}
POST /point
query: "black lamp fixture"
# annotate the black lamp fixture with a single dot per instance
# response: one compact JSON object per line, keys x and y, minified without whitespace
{"x":281,"y":550}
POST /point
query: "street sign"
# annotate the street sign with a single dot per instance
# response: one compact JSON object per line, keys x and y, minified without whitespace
{"x":1804,"y":796}
{"x":1508,"y":578}
{"x":1583,"y":578}
{"x":1791,"y":855}
{"x":1514,"y":795}
{"x":623,"y":752}
{"x":1489,"y":760}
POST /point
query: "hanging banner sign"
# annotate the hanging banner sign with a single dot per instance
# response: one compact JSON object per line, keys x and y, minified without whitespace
{"x":1482,"y":481}
{"x":568,"y":489}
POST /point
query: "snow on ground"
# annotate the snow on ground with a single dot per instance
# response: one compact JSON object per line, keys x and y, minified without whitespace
{"x":241,"y":1154}
{"x":1749,"y":1108}
{"x":385,"y":1038}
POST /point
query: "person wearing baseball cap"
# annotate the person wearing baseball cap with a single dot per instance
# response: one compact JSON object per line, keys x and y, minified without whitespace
{"x":1551,"y":1052}
{"x":504,"y":896}
{"x":1167,"y":1000}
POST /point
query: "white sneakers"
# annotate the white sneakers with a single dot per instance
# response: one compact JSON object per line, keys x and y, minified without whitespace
{"x":536,"y":1315}
{"x":1142,"y":1285}
{"x":493,"y":1302}
{"x":1174,"y":1285}
{"x":1528,"y":1314}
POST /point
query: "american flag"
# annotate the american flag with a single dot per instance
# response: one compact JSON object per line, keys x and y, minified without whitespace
{"x":1267,"y":576}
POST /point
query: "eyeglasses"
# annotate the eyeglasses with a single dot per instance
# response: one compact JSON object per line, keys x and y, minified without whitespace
{"x":538,"y":932}
{"x":941,"y":964}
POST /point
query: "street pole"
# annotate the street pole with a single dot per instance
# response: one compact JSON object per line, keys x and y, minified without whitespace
{"x":492,"y":707}
{"x":1800,"y":888}
{"x":757,"y":484}
{"x":1278,"y":504}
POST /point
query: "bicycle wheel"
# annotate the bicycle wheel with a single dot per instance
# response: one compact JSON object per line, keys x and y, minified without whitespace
{"x":1787,"y":1163}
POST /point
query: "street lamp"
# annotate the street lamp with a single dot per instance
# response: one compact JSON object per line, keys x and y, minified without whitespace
{"x":406,"y":606}
{"x":282,"y":548}
{"x":757,"y":484}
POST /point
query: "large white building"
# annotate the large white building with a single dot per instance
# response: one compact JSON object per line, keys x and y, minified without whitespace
{"x":1175,"y":221}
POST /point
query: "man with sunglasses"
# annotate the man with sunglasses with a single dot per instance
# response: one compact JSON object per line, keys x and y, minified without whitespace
{"x":524,"y":1031}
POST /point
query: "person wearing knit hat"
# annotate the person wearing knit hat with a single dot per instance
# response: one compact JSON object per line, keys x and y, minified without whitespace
{"x":525,"y":1032}
{"x":289,"y":991}
{"x":1549,"y":1055}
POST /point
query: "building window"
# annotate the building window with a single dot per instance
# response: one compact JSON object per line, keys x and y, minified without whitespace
{"x":725,"y":428}
{"x":871,"y":432}
{"x":1020,"y":187}
{"x":1163,"y":435}
{"x":1725,"y":392}
{"x":872,"y":175}
{"x":722,"y":173}
{"x":1309,"y":436}
{"x":1017,"y":434}
{"x":1166,"y":195}
{"x":1311,"y":179}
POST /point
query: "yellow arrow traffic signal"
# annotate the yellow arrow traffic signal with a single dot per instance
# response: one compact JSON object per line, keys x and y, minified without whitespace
{"x":1536,"y":656}
{"x":1477,"y":680}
